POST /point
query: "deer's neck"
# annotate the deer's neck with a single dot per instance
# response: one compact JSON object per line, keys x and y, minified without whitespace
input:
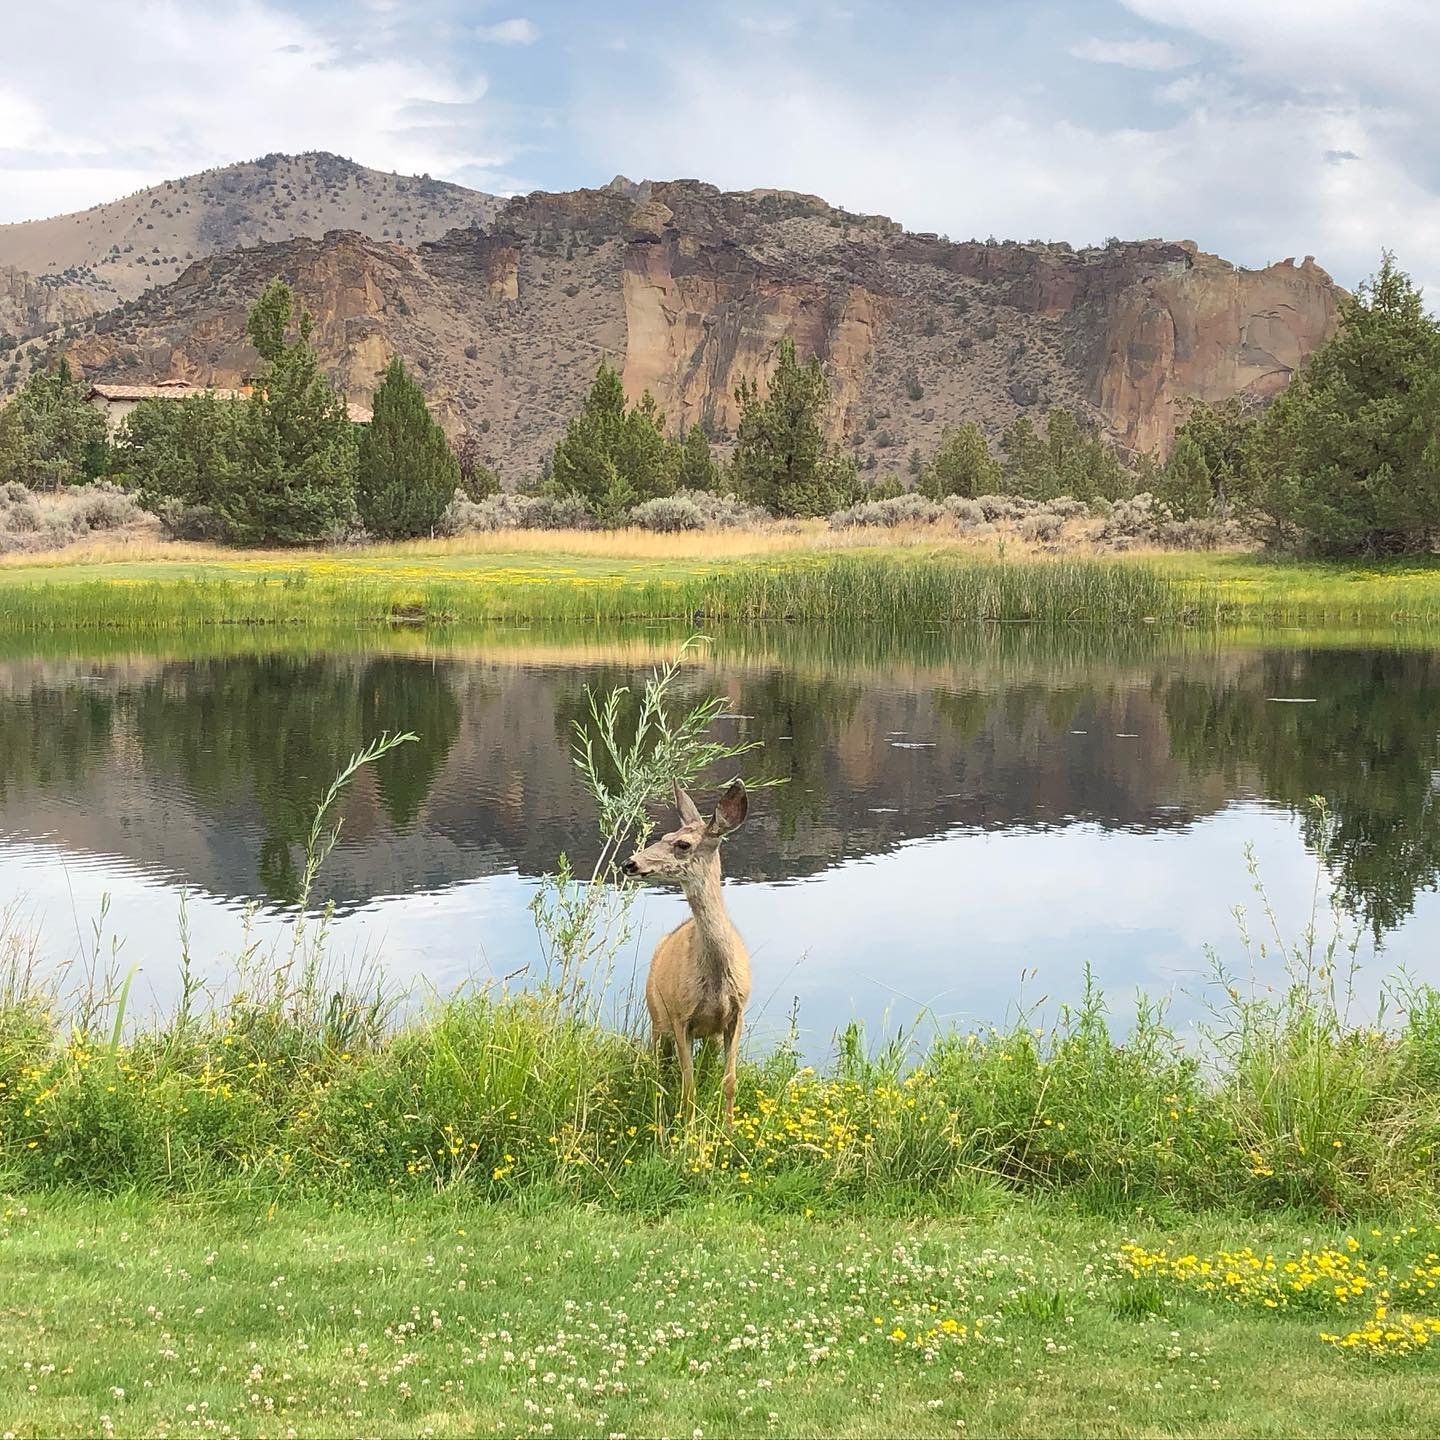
{"x":717,"y":935}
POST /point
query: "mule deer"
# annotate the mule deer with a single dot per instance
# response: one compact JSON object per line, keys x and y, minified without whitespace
{"x":699,"y":981}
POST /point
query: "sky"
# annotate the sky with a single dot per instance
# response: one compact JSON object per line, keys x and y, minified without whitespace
{"x":1259,"y":128}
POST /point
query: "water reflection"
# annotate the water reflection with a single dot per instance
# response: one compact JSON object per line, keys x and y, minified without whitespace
{"x":205,"y":771}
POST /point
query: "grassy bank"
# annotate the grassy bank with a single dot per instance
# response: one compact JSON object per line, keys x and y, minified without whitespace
{"x":320,"y":1093}
{"x":809,"y":576}
{"x":447,"y":1317}
{"x":412,"y":587}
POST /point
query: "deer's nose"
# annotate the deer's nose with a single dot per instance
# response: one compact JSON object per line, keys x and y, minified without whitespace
{"x":632,"y":867}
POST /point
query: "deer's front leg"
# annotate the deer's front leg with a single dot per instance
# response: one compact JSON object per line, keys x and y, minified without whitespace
{"x":687,"y":1067}
{"x":732,"y":1052}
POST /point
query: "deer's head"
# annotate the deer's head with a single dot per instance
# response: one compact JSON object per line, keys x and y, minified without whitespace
{"x":681,"y":852}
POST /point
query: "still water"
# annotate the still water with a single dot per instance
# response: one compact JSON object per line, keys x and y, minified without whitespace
{"x":968,"y":822}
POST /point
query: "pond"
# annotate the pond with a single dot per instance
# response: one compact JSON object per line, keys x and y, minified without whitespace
{"x":969,"y":821}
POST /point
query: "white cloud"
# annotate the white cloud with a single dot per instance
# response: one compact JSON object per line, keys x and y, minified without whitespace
{"x":771,"y":27}
{"x":1244,"y":170}
{"x":112,"y":98}
{"x":1133,"y":54}
{"x":509,"y":32}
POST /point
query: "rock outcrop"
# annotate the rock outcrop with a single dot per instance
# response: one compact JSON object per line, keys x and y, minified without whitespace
{"x":32,"y":306}
{"x":690,"y":289}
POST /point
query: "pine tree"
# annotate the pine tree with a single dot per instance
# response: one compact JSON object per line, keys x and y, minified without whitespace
{"x":608,"y":450}
{"x":294,"y":476}
{"x":407,"y":474}
{"x":782,"y":460}
{"x":697,"y":469}
{"x":962,"y":465}
{"x":1349,"y":453}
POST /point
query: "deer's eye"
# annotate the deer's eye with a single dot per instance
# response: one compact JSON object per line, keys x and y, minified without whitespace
{"x":682,"y":846}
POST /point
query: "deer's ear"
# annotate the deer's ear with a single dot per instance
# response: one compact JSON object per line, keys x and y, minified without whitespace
{"x":689,"y":813}
{"x":731,"y":810}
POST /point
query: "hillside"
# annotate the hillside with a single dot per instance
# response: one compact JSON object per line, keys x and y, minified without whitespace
{"x":89,"y":261}
{"x":690,"y":289}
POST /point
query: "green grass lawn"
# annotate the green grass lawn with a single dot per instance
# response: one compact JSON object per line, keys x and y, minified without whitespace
{"x":448,"y":1317}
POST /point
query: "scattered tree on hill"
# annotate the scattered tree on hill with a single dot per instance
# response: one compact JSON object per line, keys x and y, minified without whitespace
{"x":697,"y":470}
{"x":962,"y":465}
{"x":406,"y":473}
{"x":50,"y":435}
{"x":1349,"y":453}
{"x":295,"y":455}
{"x":609,"y":450}
{"x":782,"y":460}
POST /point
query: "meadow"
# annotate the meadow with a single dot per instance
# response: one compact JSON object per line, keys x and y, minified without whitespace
{"x":811,"y":575}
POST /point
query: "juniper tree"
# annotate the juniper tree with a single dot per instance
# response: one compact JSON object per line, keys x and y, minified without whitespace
{"x":407,"y":474}
{"x":610,"y":449}
{"x":1349,"y":453}
{"x":782,"y":460}
{"x":697,"y":469}
{"x":962,"y":465}
{"x":295,"y":454}
{"x":50,"y":435}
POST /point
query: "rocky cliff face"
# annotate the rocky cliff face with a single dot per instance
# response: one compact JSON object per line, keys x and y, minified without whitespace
{"x":31,"y":306}
{"x":690,"y":290}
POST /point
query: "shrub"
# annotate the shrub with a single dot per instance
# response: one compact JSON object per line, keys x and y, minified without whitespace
{"x":1042,"y":525}
{"x":103,"y":506}
{"x":1145,"y":519}
{"x":192,"y":522}
{"x":508,"y":511}
{"x":965,"y":513}
{"x":1004,"y":507}
{"x":697,"y":510}
{"x":901,"y":510}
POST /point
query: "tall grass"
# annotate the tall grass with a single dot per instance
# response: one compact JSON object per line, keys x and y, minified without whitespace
{"x":904,"y":588}
{"x":499,"y":1092}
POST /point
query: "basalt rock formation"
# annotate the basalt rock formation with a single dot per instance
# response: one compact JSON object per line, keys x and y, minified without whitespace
{"x":689,"y":289}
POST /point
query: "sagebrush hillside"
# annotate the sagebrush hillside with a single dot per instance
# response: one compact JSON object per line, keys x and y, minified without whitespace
{"x":94,"y":258}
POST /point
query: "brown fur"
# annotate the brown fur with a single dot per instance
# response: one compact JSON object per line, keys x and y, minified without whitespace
{"x":699,"y":980}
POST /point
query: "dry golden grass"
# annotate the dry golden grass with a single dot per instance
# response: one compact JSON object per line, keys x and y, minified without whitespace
{"x":633,"y":544}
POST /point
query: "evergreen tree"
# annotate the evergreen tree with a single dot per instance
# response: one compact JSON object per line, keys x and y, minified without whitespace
{"x":609,"y":450}
{"x":1026,"y":468}
{"x":1184,"y":481}
{"x":477,"y":479}
{"x":962,"y":465}
{"x":295,"y":453}
{"x":180,"y":451}
{"x":407,"y":473}
{"x":50,"y":435}
{"x":697,"y":465}
{"x":1223,"y":440}
{"x":782,"y":460}
{"x":1349,"y":453}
